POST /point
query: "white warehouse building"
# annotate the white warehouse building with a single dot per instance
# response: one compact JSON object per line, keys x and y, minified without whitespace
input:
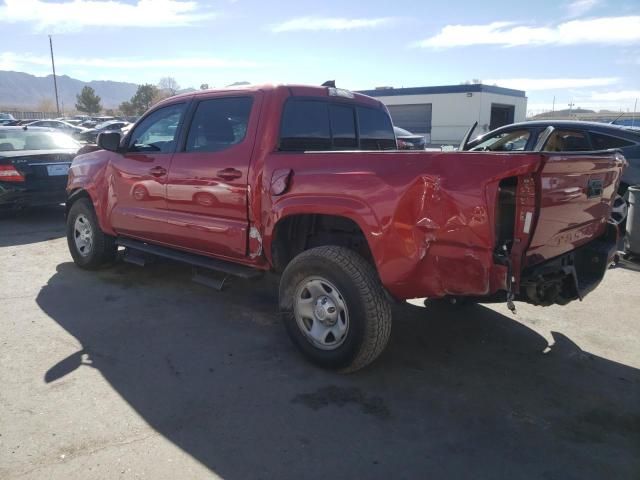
{"x":443,"y":114}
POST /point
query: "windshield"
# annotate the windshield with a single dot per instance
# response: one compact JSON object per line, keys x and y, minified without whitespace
{"x":504,"y":142}
{"x":402,"y":131}
{"x":17,"y":140}
{"x":102,"y":125}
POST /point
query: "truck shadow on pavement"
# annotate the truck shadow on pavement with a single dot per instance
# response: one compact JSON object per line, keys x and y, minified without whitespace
{"x":465,"y":393}
{"x":31,"y":225}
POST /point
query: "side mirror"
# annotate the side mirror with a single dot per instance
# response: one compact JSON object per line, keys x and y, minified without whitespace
{"x":109,"y":141}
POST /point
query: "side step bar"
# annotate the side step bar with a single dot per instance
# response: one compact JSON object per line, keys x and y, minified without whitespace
{"x":199,"y":261}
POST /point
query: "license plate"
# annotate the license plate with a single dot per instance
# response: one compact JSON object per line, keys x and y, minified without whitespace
{"x":58,"y":169}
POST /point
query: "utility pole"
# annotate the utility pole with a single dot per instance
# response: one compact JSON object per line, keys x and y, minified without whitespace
{"x":553,"y":108}
{"x":633,"y":119}
{"x":55,"y":82}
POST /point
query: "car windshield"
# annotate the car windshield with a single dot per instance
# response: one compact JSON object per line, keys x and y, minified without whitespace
{"x":504,"y":141}
{"x":17,"y":140}
{"x":402,"y":131}
{"x":102,"y":125}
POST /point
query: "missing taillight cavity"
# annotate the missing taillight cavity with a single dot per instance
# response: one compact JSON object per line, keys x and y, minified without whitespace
{"x":506,"y":213}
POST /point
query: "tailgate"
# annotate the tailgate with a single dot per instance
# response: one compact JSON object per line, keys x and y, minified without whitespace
{"x":575,"y":191}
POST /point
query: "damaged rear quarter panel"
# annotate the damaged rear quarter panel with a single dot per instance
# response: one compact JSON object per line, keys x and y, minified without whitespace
{"x":446,"y":222}
{"x":428,"y":216}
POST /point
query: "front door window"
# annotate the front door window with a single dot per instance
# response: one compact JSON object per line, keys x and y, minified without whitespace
{"x":157,"y":133}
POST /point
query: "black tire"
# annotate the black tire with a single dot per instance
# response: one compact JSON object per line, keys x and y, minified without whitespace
{"x":103,"y":247}
{"x":369,"y":311}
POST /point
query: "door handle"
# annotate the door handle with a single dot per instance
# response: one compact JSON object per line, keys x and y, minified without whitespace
{"x":158,"y":171}
{"x":229,"y":174}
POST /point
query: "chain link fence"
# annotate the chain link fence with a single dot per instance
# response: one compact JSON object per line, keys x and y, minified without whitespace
{"x":18,"y":115}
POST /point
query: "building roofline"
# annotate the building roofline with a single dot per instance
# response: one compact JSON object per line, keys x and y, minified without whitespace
{"x":472,"y":88}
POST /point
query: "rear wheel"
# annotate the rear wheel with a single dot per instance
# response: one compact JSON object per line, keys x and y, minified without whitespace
{"x":90,"y":247}
{"x":334,"y":308}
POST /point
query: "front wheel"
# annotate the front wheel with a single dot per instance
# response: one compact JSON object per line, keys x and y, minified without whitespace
{"x":90,"y":247}
{"x":334,"y":308}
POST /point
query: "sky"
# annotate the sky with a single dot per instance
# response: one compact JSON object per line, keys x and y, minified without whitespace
{"x":584,"y":52}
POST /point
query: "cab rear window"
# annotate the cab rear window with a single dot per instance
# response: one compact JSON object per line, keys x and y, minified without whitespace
{"x":376,"y":130}
{"x":316,"y":125}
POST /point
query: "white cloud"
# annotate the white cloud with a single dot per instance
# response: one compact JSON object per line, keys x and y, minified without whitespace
{"x":531,"y":84}
{"x":616,"y":96}
{"x":75,"y":15}
{"x":14,"y":61}
{"x":576,"y":8}
{"x":603,"y":30}
{"x":617,"y":100}
{"x":329,"y":23}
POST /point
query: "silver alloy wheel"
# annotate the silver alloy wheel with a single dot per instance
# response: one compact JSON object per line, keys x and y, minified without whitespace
{"x":619,"y":210}
{"x":83,"y":235}
{"x":321,"y":313}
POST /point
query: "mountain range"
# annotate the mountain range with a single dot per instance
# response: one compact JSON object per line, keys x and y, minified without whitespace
{"x":23,"y":91}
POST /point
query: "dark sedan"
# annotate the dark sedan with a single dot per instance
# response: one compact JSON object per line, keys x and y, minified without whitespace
{"x":568,"y":136}
{"x":409,"y":141}
{"x":109,"y":126}
{"x":6,"y":118}
{"x":33,"y":166}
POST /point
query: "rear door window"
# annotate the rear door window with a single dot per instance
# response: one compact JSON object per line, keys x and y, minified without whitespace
{"x":218,"y":124}
{"x":604,"y":142}
{"x":568,"y":141}
{"x":305,"y":126}
{"x":376,"y":130}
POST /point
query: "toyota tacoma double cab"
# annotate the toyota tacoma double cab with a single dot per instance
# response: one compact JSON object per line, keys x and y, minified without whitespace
{"x":307,"y":182}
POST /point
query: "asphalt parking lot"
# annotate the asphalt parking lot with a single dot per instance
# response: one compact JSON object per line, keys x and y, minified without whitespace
{"x":136,"y":372}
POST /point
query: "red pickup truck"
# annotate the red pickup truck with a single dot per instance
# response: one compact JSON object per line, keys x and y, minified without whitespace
{"x":307,"y":182}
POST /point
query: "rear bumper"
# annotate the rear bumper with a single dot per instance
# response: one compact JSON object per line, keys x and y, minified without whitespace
{"x":16,"y":196}
{"x":570,"y":276}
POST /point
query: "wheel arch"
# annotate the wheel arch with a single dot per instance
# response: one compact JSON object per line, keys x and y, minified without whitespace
{"x":73,"y":197}
{"x":297,"y":232}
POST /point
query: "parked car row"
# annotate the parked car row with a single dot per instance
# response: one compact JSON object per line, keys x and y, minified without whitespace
{"x":91,"y":135}
{"x":78,"y":132}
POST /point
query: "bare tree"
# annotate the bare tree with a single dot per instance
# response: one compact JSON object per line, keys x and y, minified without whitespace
{"x":46,"y":105}
{"x":169,"y":84}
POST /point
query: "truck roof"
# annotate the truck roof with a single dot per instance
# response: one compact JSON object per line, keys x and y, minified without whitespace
{"x":294,"y":90}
